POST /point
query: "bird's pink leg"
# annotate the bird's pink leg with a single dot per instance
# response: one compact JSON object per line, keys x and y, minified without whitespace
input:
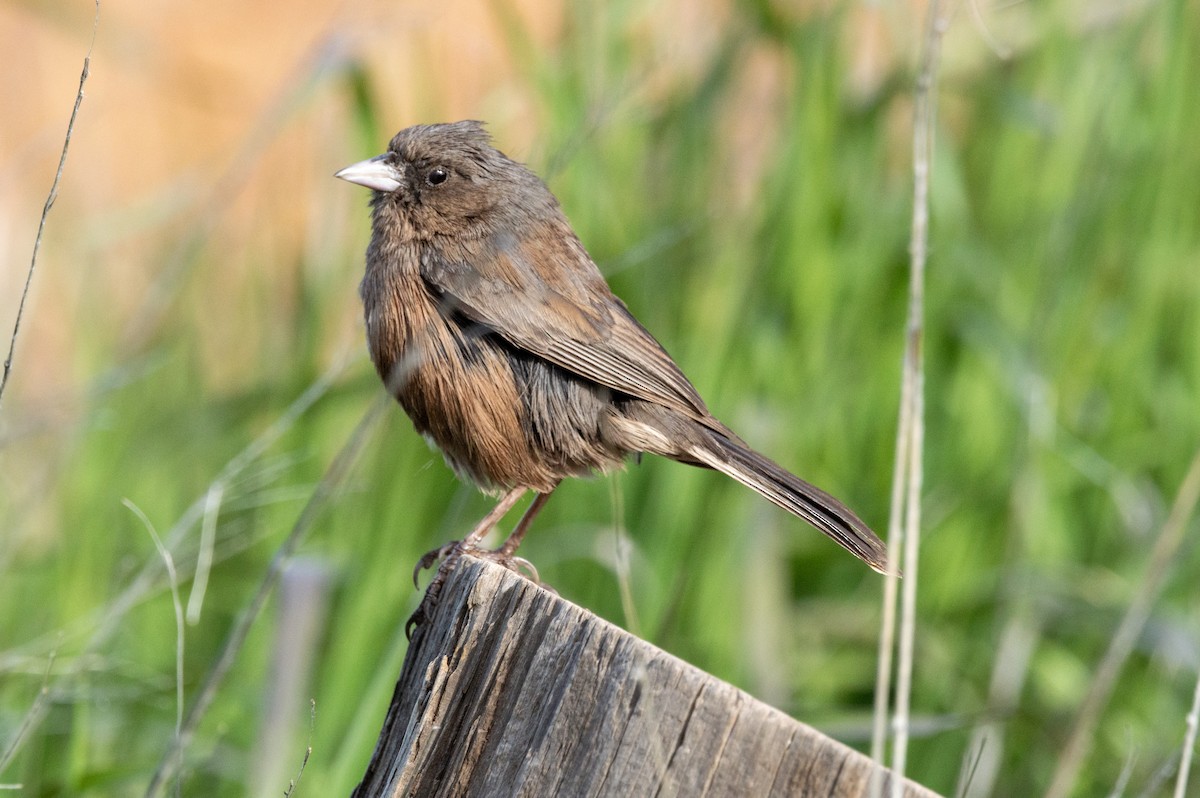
{"x":470,"y":544}
{"x":451,"y":552}
{"x":506,"y":553}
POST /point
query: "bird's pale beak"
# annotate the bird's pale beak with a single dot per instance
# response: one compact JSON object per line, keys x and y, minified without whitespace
{"x":375,"y":173}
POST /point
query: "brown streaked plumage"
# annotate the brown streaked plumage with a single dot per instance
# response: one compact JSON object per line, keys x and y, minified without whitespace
{"x":489,"y":322}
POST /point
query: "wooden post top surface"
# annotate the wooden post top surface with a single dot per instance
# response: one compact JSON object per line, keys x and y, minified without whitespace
{"x":509,"y":689}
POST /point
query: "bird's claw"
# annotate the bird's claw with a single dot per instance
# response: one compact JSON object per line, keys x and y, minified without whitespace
{"x":449,"y":554}
{"x":430,"y":557}
{"x":520,"y":565}
{"x":416,"y":619}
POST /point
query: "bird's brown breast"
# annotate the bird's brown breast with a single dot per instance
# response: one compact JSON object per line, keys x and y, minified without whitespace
{"x":491,"y":417}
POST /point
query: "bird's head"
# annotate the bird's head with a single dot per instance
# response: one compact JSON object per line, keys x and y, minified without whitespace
{"x":444,"y":179}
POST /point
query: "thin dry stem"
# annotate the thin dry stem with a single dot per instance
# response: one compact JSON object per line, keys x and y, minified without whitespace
{"x":1162,"y":558}
{"x":923,"y":125}
{"x":312,"y":721}
{"x":887,"y":633}
{"x":53,"y":195}
{"x":1189,"y":744}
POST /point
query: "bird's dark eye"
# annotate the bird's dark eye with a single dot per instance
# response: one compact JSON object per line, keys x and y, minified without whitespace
{"x":437,"y":176}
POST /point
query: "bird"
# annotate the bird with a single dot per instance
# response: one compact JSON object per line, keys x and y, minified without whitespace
{"x":492,"y":326}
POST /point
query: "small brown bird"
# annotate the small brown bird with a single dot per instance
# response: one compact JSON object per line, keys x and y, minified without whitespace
{"x":489,"y":322}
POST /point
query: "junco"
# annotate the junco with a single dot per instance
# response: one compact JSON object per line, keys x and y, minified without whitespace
{"x":488,"y":321}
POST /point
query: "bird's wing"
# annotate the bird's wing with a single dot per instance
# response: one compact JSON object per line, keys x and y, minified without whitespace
{"x":541,"y":292}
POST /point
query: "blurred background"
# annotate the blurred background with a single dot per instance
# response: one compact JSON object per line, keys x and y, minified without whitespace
{"x":191,"y":363}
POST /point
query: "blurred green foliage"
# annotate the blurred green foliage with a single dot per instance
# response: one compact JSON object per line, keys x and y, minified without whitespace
{"x":1063,"y":355}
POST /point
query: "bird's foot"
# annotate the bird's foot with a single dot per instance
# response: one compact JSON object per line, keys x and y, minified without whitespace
{"x":450,"y":553}
{"x":449,"y":556}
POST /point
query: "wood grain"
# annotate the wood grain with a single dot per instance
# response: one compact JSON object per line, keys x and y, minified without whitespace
{"x":512,"y":690}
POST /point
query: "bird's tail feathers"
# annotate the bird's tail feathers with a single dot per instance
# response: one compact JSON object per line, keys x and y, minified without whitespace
{"x":794,"y":495}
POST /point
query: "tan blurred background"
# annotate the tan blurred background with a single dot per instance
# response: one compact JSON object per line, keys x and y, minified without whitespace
{"x":214,"y":123}
{"x":215,"y":127}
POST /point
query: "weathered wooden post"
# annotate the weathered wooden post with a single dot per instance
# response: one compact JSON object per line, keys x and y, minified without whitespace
{"x":511,"y":690}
